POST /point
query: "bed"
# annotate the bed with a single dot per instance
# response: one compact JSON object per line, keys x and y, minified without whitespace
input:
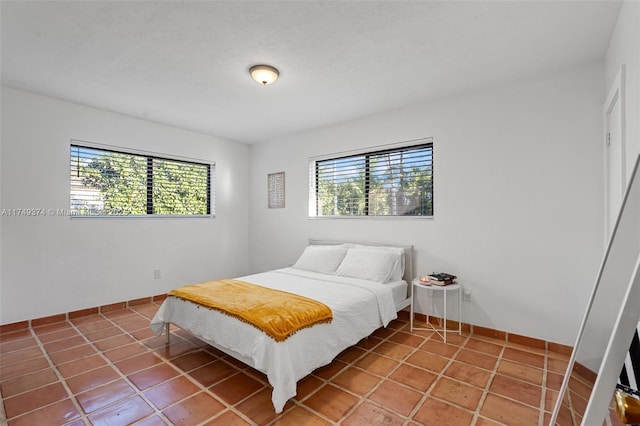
{"x":364,"y":285}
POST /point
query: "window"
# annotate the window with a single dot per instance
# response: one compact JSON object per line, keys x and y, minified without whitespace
{"x":396,"y":181}
{"x":105,"y":182}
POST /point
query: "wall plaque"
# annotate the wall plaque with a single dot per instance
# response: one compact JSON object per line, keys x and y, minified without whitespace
{"x":276,"y":190}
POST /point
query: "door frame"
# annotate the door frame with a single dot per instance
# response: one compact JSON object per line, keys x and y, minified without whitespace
{"x":616,"y":94}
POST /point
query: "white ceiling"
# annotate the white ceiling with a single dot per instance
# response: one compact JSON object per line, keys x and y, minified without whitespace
{"x":185,"y":63}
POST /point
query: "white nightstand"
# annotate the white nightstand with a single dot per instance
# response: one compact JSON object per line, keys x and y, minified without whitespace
{"x":442,"y":332}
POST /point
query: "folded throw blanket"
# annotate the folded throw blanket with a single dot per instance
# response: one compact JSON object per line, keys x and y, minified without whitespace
{"x":278,"y":313}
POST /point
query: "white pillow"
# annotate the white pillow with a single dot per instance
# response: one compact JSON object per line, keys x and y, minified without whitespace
{"x":324,"y":259}
{"x":398,"y":267}
{"x":368,"y":264}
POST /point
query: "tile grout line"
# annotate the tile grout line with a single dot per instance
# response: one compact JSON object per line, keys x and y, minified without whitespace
{"x":200,"y":345}
{"x":167,"y":361}
{"x":232,"y":407}
{"x":415,"y":349}
{"x":111,"y":364}
{"x":181,"y":373}
{"x":364,"y":398}
{"x":511,"y":398}
{"x":487,"y":386}
{"x":138,"y":392}
{"x":61,"y":379}
{"x":361,"y":398}
{"x":543,"y":393}
{"x":441,"y":375}
{"x":205,"y":389}
{"x":485,"y":389}
{"x":492,"y":373}
{"x":427,"y":393}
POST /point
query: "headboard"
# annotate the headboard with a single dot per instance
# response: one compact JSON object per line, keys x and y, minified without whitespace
{"x":408,"y":253}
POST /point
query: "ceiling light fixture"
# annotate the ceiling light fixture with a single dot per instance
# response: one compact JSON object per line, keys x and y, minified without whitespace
{"x":264,"y":74}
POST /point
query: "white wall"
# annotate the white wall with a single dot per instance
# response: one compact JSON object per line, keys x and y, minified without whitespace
{"x":518,"y":198}
{"x":52,"y":265}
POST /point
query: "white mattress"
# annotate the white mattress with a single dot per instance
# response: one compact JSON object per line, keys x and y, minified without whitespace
{"x":359,"y":307}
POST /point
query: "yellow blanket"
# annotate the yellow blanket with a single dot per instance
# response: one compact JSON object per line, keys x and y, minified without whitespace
{"x":278,"y":313}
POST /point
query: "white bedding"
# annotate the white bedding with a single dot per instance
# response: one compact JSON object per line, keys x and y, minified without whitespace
{"x":359,"y":307}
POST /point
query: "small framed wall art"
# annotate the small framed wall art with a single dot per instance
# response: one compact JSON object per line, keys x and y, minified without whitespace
{"x":275,"y":183}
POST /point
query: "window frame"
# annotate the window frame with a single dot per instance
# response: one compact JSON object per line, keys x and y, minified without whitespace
{"x":149,"y":157}
{"x":367,"y":153}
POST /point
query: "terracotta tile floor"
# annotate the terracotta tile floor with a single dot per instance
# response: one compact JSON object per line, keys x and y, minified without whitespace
{"x":110,"y":369}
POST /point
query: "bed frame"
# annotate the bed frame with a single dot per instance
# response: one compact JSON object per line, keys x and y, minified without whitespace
{"x":408,"y":276}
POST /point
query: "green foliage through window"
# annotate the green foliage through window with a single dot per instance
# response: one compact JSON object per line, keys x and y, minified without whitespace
{"x":392,"y":182}
{"x":112,"y":183}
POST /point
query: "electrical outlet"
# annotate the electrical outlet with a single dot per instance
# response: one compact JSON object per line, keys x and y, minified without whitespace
{"x":467,"y":295}
{"x":156,"y":273}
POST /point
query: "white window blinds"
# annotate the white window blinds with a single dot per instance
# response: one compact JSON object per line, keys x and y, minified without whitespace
{"x":106,"y":182}
{"x":387,"y":182}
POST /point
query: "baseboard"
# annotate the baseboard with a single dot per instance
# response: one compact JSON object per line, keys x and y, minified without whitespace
{"x":453,"y":325}
{"x":494,"y":334}
{"x":22,"y":325}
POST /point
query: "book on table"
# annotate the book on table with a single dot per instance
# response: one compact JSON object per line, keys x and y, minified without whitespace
{"x":441,"y":278}
{"x":441,"y":282}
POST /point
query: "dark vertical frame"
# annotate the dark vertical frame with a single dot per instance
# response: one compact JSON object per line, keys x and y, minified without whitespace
{"x":149,"y":185}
